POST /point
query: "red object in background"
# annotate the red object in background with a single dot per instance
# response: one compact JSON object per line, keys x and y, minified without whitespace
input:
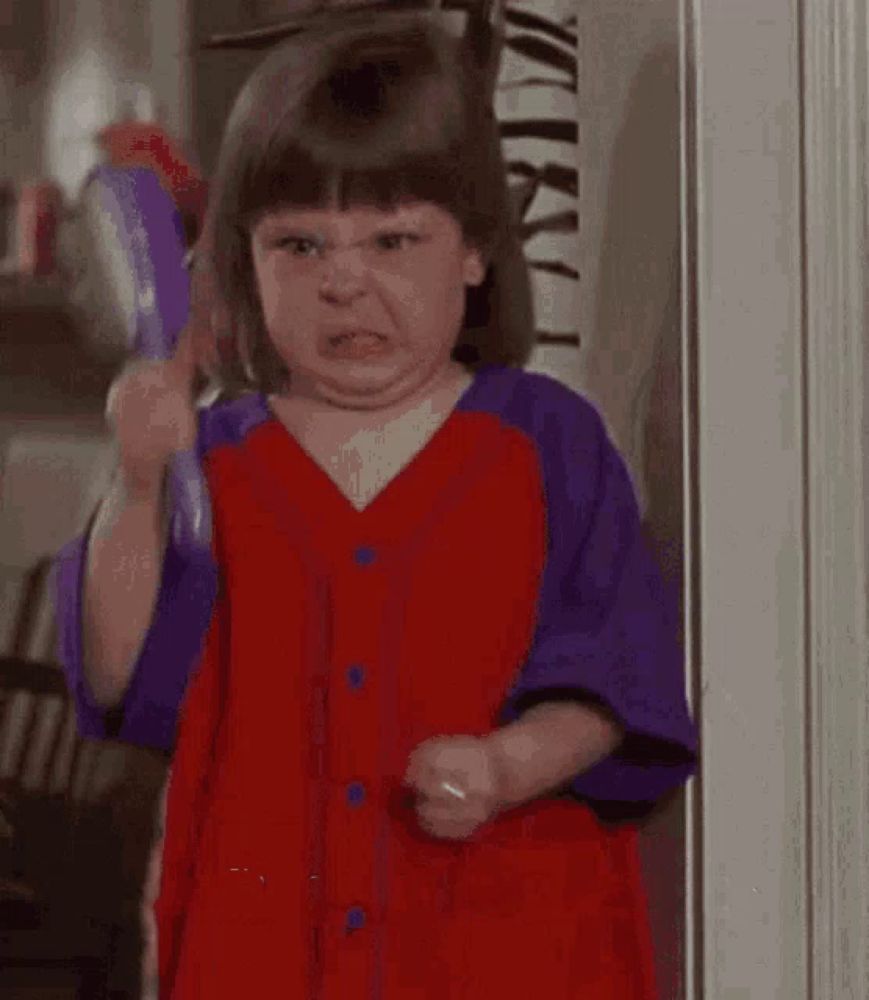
{"x":37,"y":218}
{"x":147,"y":144}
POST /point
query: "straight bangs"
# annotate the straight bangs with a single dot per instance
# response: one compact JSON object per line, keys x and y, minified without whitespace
{"x":299,"y":181}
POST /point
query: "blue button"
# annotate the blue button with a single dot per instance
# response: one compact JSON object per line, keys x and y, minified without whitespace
{"x":364,"y":555}
{"x":356,"y":794}
{"x":356,"y":676}
{"x":355,"y":918}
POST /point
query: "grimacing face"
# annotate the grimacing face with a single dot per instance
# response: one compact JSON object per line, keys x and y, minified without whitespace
{"x":364,"y":306}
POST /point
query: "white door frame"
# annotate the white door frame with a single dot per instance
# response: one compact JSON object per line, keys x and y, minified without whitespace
{"x":774,"y":214}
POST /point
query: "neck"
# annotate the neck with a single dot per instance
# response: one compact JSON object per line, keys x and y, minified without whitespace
{"x":442,"y":383}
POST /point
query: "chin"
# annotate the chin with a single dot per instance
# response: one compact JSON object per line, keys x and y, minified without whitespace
{"x":365,"y":386}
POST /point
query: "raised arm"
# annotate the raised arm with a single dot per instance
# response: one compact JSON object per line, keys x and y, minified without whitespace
{"x":152,"y":414}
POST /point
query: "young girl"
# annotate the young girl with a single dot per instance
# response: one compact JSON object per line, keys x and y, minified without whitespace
{"x":429,"y":660}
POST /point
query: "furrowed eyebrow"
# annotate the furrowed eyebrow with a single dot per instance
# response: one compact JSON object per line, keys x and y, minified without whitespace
{"x":402,"y":222}
{"x":406,"y":216}
{"x":287,"y":231}
{"x":296,"y":228}
{"x":397,"y":229}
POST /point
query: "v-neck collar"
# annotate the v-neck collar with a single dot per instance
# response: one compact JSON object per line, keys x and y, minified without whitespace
{"x":405,"y":470}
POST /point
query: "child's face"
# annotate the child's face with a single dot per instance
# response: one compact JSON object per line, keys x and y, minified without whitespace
{"x":364,"y":306}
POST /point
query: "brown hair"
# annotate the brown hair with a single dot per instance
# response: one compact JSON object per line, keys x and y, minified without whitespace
{"x":368,"y":113}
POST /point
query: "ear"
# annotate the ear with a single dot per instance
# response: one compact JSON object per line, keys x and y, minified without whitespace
{"x":474,"y":267}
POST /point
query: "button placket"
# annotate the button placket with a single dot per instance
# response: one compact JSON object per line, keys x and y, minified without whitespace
{"x":353,"y":735}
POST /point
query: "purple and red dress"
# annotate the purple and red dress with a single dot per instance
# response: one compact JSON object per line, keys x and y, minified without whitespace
{"x":294,"y":668}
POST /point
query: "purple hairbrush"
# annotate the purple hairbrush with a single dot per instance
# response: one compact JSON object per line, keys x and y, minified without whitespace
{"x":139,"y":241}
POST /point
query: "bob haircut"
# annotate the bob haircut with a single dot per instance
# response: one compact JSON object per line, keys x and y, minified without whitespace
{"x":363,"y":112}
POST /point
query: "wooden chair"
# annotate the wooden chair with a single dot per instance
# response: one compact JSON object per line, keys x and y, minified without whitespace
{"x":45,"y":768}
{"x":76,"y":815}
{"x":74,"y":839}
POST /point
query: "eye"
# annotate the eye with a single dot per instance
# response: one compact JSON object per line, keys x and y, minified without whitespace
{"x":395,"y":241}
{"x":298,"y":246}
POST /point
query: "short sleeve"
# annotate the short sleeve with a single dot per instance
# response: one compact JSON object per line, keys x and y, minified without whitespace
{"x":172,"y":646}
{"x":607,"y":627}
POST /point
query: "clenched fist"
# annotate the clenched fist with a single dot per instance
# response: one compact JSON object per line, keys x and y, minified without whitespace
{"x":153,"y":416}
{"x":456,"y":782}
{"x":151,"y":405}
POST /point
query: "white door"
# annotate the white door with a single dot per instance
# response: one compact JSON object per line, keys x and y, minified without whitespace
{"x":760,"y":887}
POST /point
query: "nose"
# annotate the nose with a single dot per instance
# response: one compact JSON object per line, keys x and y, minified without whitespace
{"x":343,"y":278}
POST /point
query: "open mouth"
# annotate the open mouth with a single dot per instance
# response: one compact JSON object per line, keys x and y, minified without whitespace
{"x":356,"y":344}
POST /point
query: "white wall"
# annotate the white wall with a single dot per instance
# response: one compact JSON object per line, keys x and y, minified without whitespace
{"x":629,"y":211}
{"x":630,"y":323}
{"x":100,"y":66}
{"x":69,"y":67}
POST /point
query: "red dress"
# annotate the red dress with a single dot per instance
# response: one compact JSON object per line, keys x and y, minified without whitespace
{"x":335,"y":641}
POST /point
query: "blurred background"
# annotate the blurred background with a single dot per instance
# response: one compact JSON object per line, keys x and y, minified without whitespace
{"x":589,"y":99}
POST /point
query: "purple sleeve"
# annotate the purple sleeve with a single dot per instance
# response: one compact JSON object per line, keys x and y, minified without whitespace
{"x":171,"y":648}
{"x":607,"y":626}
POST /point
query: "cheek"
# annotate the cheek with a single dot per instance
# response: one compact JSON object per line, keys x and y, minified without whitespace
{"x":267,"y":290}
{"x":449,"y":302}
{"x":430,"y":298}
{"x":284,"y":302}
